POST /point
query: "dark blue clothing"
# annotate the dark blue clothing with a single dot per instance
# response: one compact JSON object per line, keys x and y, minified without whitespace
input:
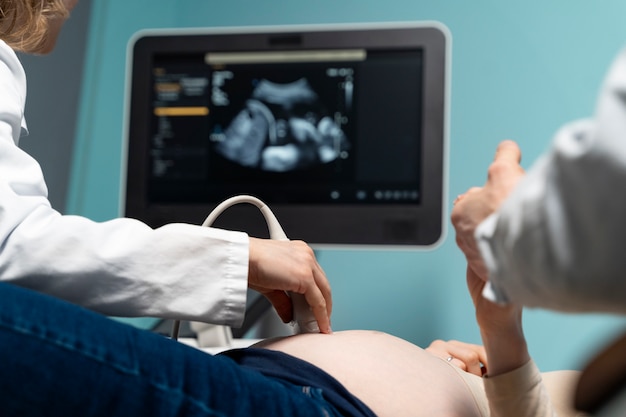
{"x":57,"y":359}
{"x":291,"y":370}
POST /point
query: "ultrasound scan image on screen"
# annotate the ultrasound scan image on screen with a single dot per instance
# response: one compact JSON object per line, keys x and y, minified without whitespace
{"x":286,"y":130}
{"x":283,"y":125}
{"x":340,"y":131}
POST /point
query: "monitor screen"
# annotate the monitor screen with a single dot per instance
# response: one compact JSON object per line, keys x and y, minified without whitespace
{"x":339,"y":130}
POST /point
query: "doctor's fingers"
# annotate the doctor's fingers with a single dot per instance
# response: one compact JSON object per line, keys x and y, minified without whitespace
{"x":505,"y":164}
{"x":318,"y":296}
{"x":312,"y":283}
{"x":282,"y":304}
{"x":505,"y":170}
{"x":324,"y":285}
{"x":508,"y":151}
{"x":469,"y":211}
{"x":470,"y":191}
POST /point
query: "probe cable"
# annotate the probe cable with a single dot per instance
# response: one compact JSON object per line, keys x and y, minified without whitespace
{"x":303,"y":319}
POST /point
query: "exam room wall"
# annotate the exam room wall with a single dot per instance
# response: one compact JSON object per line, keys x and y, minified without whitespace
{"x":519,"y":70}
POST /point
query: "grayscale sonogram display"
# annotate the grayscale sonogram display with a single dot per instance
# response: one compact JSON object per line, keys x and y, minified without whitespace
{"x":282,"y":124}
{"x":336,"y":128}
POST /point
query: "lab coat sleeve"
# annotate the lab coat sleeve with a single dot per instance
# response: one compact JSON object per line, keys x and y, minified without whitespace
{"x":120,"y":267}
{"x":558,"y":240}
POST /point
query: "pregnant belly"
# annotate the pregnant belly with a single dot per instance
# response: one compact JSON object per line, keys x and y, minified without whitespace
{"x":392,"y":376}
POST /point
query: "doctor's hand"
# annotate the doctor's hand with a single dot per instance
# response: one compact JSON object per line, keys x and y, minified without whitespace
{"x":277,"y":266}
{"x":471,"y":208}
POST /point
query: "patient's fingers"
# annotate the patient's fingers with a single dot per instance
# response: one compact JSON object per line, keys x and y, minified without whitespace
{"x":469,"y":357}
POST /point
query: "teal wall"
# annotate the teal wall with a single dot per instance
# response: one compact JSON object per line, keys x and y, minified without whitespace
{"x":519,"y":70}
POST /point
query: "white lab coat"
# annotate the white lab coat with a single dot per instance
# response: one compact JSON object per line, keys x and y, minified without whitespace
{"x":558,"y":241}
{"x":119,"y":267}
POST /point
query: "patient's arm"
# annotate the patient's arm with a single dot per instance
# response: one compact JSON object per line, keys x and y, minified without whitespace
{"x":500,"y":328}
{"x":513,"y":384}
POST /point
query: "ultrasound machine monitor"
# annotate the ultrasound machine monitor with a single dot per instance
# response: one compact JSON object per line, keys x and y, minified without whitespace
{"x":339,"y":129}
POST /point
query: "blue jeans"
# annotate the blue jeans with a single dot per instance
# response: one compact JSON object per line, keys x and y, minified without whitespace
{"x":57,"y":359}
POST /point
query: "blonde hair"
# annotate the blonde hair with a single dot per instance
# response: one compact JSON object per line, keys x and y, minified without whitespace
{"x":24,"y":23}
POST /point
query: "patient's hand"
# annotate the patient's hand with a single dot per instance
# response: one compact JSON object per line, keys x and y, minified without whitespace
{"x":501,"y":329}
{"x":471,"y":358}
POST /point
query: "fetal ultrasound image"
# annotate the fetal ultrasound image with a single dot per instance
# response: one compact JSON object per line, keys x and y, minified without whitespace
{"x":285,"y":126}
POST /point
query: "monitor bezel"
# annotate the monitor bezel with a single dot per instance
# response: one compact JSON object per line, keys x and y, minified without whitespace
{"x":361,"y":227}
